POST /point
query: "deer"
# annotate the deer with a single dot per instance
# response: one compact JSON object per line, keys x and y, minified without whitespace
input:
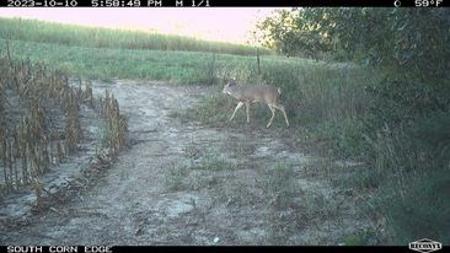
{"x":249,"y":94}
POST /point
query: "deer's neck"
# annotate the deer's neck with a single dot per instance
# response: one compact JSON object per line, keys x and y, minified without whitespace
{"x":238,"y":92}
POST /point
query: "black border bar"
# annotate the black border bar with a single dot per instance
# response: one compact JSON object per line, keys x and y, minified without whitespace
{"x":298,"y":3}
{"x":210,"y":249}
{"x":220,"y":3}
{"x":270,"y":249}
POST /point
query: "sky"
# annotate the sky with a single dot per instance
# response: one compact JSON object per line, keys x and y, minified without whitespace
{"x":218,"y":24}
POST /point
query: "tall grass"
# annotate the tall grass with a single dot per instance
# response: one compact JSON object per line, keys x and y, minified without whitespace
{"x":405,"y":152}
{"x":73,"y":35}
{"x":349,"y":110}
{"x":175,"y":66}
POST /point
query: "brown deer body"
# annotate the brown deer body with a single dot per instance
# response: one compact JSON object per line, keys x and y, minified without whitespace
{"x":249,"y":94}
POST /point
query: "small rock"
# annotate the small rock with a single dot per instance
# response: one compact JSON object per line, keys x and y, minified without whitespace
{"x":216,"y":240}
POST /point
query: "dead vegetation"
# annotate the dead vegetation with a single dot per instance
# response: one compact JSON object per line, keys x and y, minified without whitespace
{"x":40,"y":124}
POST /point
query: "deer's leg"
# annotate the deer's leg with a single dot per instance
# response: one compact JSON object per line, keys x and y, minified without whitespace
{"x":239,"y":105}
{"x":281,"y":108}
{"x":247,"y":107}
{"x":273,"y":115}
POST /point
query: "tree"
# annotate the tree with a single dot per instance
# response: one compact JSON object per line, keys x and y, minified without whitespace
{"x":411,"y":40}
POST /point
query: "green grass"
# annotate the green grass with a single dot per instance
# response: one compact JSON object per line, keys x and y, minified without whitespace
{"x":418,"y":206}
{"x":178,"y":178}
{"x":80,"y":36}
{"x":214,"y":162}
{"x":406,"y":162}
{"x":174,"y":66}
{"x":336,"y":105}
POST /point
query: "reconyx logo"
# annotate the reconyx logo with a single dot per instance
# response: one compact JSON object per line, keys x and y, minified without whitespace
{"x":425,"y":245}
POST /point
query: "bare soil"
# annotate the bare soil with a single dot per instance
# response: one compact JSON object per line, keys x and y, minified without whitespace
{"x":181,"y":183}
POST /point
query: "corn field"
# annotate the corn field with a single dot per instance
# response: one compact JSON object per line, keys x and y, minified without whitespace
{"x":40,"y":121}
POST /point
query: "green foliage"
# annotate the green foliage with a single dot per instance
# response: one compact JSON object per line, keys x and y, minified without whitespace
{"x":434,"y":133}
{"x":279,"y":185}
{"x":288,"y":34}
{"x":410,"y":164}
{"x":396,"y":120}
{"x":399,"y":39}
{"x":401,"y":126}
{"x":417,"y":206}
{"x":213,"y":162}
{"x":175,"y":176}
{"x":361,"y":238}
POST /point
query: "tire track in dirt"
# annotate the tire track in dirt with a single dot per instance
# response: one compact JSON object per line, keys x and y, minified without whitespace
{"x":227,"y":186}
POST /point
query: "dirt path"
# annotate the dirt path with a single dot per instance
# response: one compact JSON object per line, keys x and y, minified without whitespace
{"x":182,"y":183}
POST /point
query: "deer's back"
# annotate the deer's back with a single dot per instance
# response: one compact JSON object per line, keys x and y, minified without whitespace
{"x":257,"y":93}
